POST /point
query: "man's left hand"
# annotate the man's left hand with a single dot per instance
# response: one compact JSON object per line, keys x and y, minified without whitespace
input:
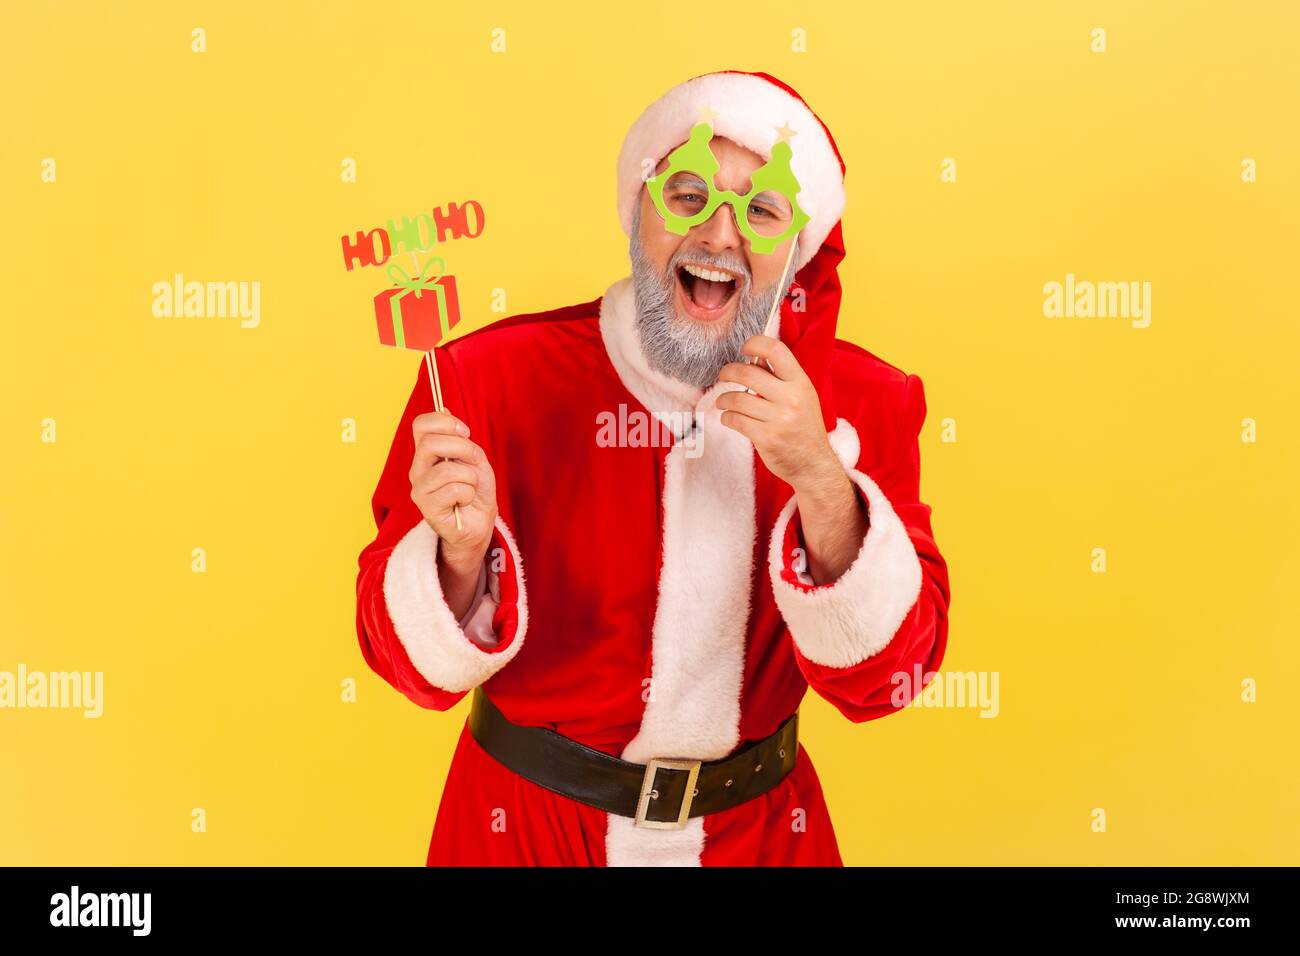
{"x":783,"y":418}
{"x":784,"y":421}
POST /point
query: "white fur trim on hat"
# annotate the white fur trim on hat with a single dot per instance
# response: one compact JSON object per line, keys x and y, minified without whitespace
{"x":748,"y":110}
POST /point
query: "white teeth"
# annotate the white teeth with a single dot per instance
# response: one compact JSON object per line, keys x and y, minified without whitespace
{"x":711,"y":274}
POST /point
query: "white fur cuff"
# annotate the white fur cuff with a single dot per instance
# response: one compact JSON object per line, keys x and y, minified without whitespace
{"x":844,"y":623}
{"x":437,"y":646}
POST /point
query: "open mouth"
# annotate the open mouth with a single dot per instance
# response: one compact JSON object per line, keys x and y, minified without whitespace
{"x":706,"y":293}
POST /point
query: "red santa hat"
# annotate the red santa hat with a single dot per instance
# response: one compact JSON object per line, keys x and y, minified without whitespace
{"x":748,"y":109}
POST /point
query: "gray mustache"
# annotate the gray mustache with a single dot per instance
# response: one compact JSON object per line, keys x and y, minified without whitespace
{"x":717,"y":262}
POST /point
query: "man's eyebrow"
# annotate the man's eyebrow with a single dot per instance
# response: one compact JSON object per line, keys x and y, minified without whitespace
{"x":770,"y":198}
{"x":687,"y":176}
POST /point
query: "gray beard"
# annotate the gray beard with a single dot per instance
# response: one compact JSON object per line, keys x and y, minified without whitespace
{"x":677,"y":347}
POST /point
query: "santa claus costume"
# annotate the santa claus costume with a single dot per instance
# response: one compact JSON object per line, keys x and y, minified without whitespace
{"x":645,"y":599}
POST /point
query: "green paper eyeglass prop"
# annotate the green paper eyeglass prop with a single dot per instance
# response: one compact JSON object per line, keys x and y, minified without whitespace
{"x":685,"y":194}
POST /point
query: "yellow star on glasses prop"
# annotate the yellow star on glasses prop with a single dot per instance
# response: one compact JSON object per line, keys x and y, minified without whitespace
{"x":783,"y":133}
{"x":706,"y":114}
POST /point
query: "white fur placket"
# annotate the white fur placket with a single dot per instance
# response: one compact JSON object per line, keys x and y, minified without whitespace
{"x":702,"y":615}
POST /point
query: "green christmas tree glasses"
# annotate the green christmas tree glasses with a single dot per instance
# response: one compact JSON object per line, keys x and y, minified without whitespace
{"x":685,"y":194}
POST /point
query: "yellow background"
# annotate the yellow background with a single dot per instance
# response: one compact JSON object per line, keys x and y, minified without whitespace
{"x":1119,"y":690}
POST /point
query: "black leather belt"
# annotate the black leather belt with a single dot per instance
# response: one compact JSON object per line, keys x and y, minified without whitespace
{"x":662,"y":794}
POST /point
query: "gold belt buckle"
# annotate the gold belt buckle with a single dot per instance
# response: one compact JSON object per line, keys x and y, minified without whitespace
{"x":649,"y":793}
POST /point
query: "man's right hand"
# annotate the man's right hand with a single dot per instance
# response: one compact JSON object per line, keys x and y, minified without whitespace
{"x":449,"y":470}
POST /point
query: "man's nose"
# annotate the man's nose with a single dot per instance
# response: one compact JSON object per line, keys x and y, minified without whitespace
{"x":719,"y":231}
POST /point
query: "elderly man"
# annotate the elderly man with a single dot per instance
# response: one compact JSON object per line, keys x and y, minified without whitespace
{"x":636,"y":687}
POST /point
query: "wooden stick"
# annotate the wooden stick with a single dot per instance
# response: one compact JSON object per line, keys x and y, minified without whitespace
{"x":435,"y":384}
{"x":776,"y":307}
{"x":776,"y":301}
